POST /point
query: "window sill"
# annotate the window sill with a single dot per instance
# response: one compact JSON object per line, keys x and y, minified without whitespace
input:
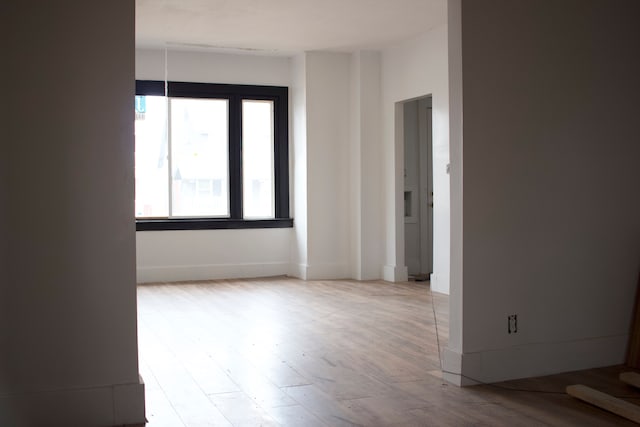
{"x":210,"y":224}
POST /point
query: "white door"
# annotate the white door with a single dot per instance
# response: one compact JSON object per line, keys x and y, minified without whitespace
{"x":418,"y":188}
{"x":426,"y":186}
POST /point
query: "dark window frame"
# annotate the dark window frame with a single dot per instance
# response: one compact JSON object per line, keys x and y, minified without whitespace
{"x":234,"y":94}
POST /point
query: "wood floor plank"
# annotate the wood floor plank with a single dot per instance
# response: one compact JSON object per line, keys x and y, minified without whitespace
{"x":328,"y":409}
{"x":241,"y":410}
{"x":294,"y":416}
{"x":281,"y":351}
{"x":159,"y":411}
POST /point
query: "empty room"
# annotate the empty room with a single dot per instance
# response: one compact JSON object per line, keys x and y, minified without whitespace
{"x":337,"y":213}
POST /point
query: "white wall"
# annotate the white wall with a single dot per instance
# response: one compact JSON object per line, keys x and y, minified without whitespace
{"x":298,"y":154}
{"x":68,"y":327}
{"x":327,"y":138}
{"x":344,"y":163}
{"x":551,"y":223}
{"x":318,"y":246}
{"x":413,"y":69}
{"x":4,"y":243}
{"x":452,"y":358}
{"x":336,"y":149}
{"x":210,"y":254}
{"x":212,"y":67}
{"x":365,"y":198}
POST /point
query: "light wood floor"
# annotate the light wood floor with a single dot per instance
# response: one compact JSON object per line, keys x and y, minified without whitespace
{"x":273,"y":352}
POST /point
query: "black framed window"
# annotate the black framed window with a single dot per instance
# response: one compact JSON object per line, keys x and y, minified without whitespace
{"x":211,"y":156}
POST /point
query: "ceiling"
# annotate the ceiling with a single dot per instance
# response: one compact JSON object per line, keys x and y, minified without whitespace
{"x":282,"y":26}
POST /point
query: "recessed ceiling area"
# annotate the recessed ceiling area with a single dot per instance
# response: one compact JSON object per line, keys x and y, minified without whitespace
{"x":283,"y":26}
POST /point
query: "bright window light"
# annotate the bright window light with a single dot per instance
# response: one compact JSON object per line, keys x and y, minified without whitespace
{"x":257,"y":159}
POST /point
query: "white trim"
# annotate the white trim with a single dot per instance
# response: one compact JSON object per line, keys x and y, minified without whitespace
{"x":534,"y":360}
{"x":320,"y":271}
{"x":393,"y":273}
{"x":298,"y":271}
{"x":451,"y":363}
{"x":210,"y":271}
{"x":118,"y":404}
{"x":327,"y":271}
{"x":439,"y":284}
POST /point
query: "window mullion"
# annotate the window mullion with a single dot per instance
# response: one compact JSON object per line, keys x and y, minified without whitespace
{"x":235,"y":157}
{"x":281,"y":158}
{"x":169,"y":157}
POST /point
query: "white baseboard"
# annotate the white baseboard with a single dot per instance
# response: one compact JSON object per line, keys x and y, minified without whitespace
{"x":439,"y":283}
{"x":327,"y":271}
{"x":114,"y":405}
{"x":174,"y":273}
{"x":452,"y":366}
{"x":534,"y":360}
{"x":393,"y":273}
{"x":299,"y":271}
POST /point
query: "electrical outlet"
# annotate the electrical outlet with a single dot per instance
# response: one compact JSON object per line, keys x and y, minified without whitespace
{"x":512,"y":322}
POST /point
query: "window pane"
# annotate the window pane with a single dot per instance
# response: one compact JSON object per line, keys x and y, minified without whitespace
{"x":199,"y":156}
{"x":152,"y":179}
{"x":257,"y":159}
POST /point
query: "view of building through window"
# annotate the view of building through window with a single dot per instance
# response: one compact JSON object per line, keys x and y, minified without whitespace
{"x":257,"y":159}
{"x":152,"y":162}
{"x":199,"y":157}
{"x":182,"y":158}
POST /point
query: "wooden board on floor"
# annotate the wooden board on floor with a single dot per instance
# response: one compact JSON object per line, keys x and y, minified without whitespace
{"x":631,"y":378}
{"x":605,"y":401}
{"x":633,"y":350}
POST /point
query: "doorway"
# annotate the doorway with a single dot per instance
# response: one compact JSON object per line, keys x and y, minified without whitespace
{"x":418,"y":187}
